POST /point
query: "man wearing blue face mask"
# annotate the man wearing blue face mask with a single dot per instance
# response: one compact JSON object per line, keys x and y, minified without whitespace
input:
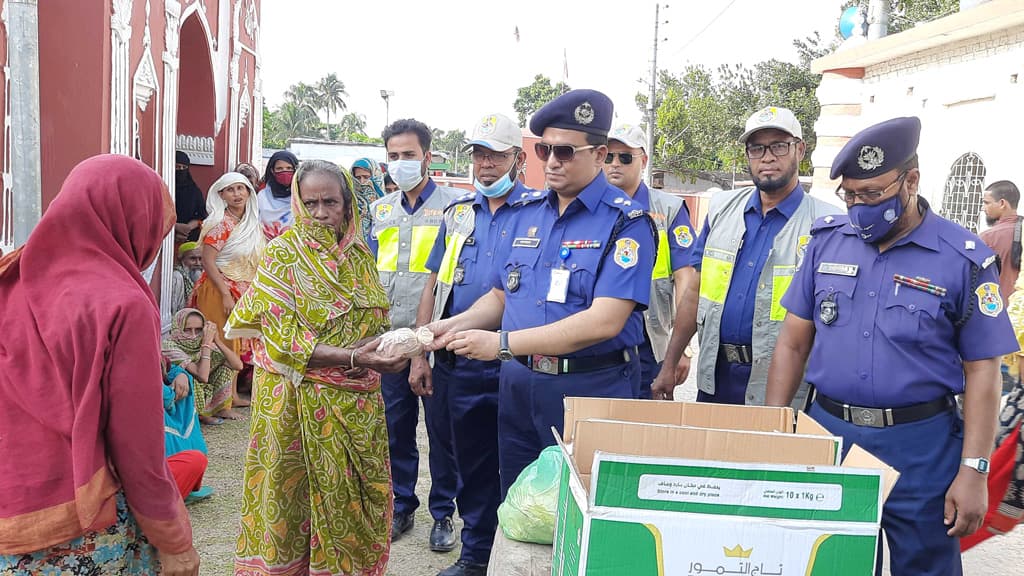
{"x":405,"y":224}
{"x":898,"y":310}
{"x":464,"y":256}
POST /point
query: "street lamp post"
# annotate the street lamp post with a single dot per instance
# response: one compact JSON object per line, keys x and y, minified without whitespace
{"x":386,"y":95}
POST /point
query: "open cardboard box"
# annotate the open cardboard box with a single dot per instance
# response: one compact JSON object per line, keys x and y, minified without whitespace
{"x":658,"y":488}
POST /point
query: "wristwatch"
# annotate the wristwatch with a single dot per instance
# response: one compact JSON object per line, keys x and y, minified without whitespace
{"x":504,"y":354}
{"x":979,"y":464}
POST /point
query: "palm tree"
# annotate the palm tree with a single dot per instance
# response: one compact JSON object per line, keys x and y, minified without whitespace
{"x":330,"y":94}
{"x":293,"y":120}
{"x":350,"y":124}
{"x":302,"y":96}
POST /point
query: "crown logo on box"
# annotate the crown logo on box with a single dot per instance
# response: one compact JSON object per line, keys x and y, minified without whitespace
{"x":737,"y":552}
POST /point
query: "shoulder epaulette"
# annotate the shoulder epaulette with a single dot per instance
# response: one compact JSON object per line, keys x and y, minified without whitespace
{"x":829,"y":222}
{"x":526,"y":197}
{"x":623,"y":203}
{"x":968,"y":245}
{"x":466,"y":197}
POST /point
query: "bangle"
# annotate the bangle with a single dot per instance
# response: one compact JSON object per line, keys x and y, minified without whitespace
{"x":352,"y":358}
{"x":209,"y":346}
{"x":204,"y":357}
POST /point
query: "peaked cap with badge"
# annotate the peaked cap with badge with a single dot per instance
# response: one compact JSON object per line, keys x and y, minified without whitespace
{"x":878,"y":149}
{"x":582,"y":110}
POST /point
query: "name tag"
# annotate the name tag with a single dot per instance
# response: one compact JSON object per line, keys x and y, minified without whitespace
{"x":838,"y":269}
{"x":526,"y":243}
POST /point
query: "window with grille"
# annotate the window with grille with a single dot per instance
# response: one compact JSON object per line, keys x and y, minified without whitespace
{"x":961,"y":200}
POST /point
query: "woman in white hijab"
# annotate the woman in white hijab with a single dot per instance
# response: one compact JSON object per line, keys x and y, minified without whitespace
{"x":232,"y":246}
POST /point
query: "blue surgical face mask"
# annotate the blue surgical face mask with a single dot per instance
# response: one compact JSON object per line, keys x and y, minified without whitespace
{"x":874,"y":222}
{"x":499,"y":187}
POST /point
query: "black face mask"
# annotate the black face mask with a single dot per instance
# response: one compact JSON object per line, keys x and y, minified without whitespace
{"x":182,"y":178}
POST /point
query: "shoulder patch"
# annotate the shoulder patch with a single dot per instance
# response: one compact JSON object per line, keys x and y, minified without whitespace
{"x":382,"y":211}
{"x":683,"y":236}
{"x":467,"y":197}
{"x":829,"y":222}
{"x":990,"y":303}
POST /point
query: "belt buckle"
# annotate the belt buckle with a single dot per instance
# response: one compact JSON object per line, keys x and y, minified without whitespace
{"x":870,"y":417}
{"x":545,"y":364}
{"x":732,"y":355}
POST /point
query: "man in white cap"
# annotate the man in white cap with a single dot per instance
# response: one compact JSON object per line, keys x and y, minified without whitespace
{"x":624,"y":167}
{"x":461,"y":264}
{"x":751,"y":244}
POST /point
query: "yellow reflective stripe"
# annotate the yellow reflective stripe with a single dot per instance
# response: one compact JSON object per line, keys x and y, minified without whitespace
{"x":453,"y":247}
{"x":715,"y":275}
{"x":422,"y":242}
{"x":782,"y":277}
{"x":662,"y":264}
{"x":387,"y":250}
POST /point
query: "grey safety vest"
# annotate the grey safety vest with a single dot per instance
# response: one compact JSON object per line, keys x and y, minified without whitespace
{"x":404,"y":242}
{"x":726,"y":225}
{"x":660,"y":314}
{"x":459,"y":222}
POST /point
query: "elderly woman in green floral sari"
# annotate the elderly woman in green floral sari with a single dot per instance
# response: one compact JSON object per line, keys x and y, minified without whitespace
{"x":317,"y":497}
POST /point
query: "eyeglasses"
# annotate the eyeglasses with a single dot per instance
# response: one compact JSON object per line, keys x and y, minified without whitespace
{"x":625,"y":157}
{"x":480,"y":156}
{"x":868,"y":196}
{"x":778,"y":149}
{"x":562,"y":152}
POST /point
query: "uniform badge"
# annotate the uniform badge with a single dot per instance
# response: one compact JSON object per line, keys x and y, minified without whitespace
{"x":487,"y":125}
{"x":626,"y":253}
{"x":801,"y":249}
{"x":990,"y":303}
{"x":531,"y":232}
{"x":635,"y":214}
{"x":828,"y":311}
{"x":460,"y":275}
{"x":584,"y":114}
{"x":683,"y":236}
{"x":870,"y":158}
{"x":462,"y":212}
{"x":383,"y":211}
{"x":766,"y":115}
{"x":513,"y":280}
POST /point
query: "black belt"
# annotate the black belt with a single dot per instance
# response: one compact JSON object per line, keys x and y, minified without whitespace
{"x":555,"y":365}
{"x":883,"y":417}
{"x":737,"y":353}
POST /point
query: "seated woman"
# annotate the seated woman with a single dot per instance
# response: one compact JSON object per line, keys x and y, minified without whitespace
{"x":195,"y":345}
{"x":319,"y":448}
{"x":184,"y":445}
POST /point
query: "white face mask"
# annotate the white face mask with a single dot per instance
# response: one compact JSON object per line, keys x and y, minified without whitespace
{"x":406,"y":173}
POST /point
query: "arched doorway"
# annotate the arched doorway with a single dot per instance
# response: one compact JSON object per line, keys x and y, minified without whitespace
{"x":197,"y":102}
{"x":961,"y":199}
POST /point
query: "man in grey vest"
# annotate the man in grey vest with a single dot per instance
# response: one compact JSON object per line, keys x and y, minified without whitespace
{"x":405,"y":224}
{"x":748,"y":250}
{"x":624,"y":166}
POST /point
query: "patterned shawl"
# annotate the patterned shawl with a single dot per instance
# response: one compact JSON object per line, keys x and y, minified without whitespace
{"x":311,"y":288}
{"x":368,"y":194}
{"x":242,"y":252}
{"x":179,"y":347}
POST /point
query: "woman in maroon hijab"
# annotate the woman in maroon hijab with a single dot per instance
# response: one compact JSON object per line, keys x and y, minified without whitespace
{"x":84,"y":487}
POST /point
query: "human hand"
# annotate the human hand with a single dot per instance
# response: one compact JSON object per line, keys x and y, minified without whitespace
{"x":966,"y":502}
{"x":664,"y":386}
{"x":183,"y":564}
{"x":444,"y":331}
{"x":420,"y":378}
{"x":228,"y":301}
{"x":682,"y":370}
{"x":367,"y":357}
{"x":180,"y":385}
{"x":476,"y":344}
{"x":210,"y":333}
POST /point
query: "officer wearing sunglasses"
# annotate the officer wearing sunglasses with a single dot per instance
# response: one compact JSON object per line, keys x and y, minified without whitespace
{"x":624,"y":166}
{"x":570,"y":291}
{"x":751,"y":244}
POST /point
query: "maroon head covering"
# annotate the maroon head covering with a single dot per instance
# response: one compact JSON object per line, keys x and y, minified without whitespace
{"x":80,"y":380}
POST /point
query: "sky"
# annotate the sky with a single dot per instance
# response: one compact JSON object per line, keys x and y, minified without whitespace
{"x":450,"y":62}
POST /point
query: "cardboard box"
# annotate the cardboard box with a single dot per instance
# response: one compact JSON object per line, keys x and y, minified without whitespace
{"x":752,"y":494}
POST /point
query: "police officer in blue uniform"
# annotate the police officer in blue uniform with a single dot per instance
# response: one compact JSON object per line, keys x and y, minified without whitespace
{"x":898,"y":310}
{"x":570,"y":293}
{"x":461,"y":265}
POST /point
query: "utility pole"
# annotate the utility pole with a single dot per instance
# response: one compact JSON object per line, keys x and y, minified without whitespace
{"x":878,"y":19}
{"x":651,"y":120}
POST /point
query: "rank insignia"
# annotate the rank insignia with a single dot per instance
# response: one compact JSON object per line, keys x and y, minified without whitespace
{"x":990,"y":303}
{"x":626,"y":253}
{"x":460,"y":275}
{"x":462,"y":212}
{"x":531,"y":232}
{"x":683,"y":236}
{"x":870,"y":158}
{"x":383,"y":211}
{"x":513,"y":281}
{"x":828,"y":311}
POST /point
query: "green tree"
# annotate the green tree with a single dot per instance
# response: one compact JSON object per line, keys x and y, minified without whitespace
{"x":294,"y":121}
{"x":451,"y":143}
{"x":530,"y":98}
{"x":271,"y":138}
{"x":303,"y":96}
{"x":351,"y":126}
{"x":330,"y":96}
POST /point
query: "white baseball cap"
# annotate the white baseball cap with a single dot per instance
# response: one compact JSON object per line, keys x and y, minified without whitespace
{"x":496,"y":132}
{"x":773,"y":117}
{"x":630,"y":135}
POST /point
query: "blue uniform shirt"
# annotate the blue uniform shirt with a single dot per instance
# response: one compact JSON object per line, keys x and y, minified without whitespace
{"x":538,"y":234}
{"x":737,"y":325}
{"x":892,"y":345}
{"x":678,"y":249}
{"x":479,"y":259}
{"x":424,"y":196}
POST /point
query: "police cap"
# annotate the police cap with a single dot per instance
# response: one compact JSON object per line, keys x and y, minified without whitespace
{"x":878,"y":149}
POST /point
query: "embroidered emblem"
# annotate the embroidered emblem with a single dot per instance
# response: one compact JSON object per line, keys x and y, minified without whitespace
{"x":383,"y":211}
{"x":801,"y":249}
{"x":683,"y":236}
{"x":487,"y":125}
{"x":870,"y":158}
{"x":767,"y":115}
{"x":462,"y":213}
{"x":626,"y":253}
{"x":989,"y":301}
{"x":584,"y":114}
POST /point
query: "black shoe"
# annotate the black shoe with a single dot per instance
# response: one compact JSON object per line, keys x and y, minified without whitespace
{"x":464,"y":568}
{"x":401,"y":524}
{"x":442,"y":535}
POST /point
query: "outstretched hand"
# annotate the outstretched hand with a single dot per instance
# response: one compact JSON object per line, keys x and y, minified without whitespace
{"x":367,"y":357}
{"x":444,"y":333}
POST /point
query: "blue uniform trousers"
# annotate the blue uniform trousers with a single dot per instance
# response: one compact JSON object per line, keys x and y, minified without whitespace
{"x":649,"y":367}
{"x":402,"y":411}
{"x":530,"y":403}
{"x":730,"y":383}
{"x":473,"y":406}
{"x":927,"y":455}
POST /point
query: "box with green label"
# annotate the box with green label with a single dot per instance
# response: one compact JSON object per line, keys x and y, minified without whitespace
{"x":753,"y":495}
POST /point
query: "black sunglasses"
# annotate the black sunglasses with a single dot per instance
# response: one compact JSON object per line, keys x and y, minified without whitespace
{"x":562,"y":152}
{"x":625,"y":157}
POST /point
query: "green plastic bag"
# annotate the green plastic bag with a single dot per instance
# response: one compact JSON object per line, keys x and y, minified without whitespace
{"x":528,"y":512}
